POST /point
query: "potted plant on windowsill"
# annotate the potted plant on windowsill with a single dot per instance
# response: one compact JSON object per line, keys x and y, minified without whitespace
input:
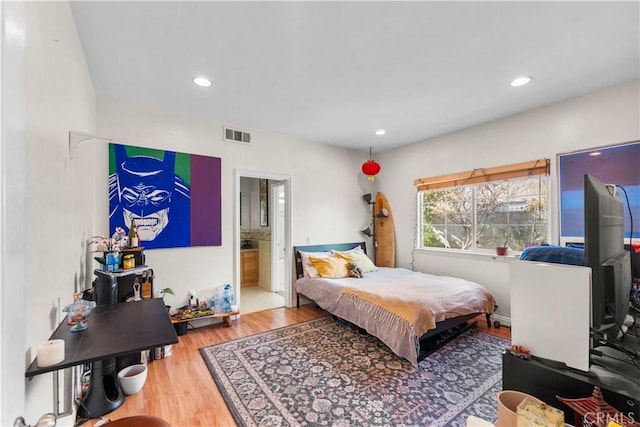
{"x":502,"y":250}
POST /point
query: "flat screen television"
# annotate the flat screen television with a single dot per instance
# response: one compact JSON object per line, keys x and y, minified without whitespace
{"x":605,"y":253}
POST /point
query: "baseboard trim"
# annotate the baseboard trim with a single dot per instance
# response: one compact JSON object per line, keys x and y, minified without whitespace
{"x":504,"y":321}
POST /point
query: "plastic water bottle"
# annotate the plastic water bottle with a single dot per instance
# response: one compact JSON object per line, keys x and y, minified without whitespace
{"x":215,"y":301}
{"x":226,"y":299}
{"x":212,"y":304}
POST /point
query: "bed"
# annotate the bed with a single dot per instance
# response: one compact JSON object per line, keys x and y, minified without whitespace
{"x":403,"y":308}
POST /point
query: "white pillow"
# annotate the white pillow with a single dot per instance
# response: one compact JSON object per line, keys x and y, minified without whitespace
{"x":308,"y":269}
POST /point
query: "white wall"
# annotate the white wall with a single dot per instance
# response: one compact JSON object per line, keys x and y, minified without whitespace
{"x":12,"y":208}
{"x":59,"y":208}
{"x":326,"y":188}
{"x":606,"y":117}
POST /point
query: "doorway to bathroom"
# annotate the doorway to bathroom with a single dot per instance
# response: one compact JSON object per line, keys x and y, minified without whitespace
{"x":263,"y":240}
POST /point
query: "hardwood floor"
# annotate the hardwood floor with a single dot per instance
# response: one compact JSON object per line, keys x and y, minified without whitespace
{"x":502,"y":332}
{"x":180,"y":390}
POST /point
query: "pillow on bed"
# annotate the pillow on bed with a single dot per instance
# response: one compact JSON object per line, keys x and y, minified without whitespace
{"x":358,"y":257}
{"x":330,"y":267}
{"x":308,"y":269}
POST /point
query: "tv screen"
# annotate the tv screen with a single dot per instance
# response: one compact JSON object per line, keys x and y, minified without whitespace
{"x":605,"y":253}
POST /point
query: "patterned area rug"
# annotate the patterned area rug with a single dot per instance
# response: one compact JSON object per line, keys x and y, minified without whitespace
{"x":323,"y":372}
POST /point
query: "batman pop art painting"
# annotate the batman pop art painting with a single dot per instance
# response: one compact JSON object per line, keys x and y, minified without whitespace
{"x":172,"y":198}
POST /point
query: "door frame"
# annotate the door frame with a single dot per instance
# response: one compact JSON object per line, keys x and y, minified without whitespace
{"x":286,"y":180}
{"x":275,"y":230}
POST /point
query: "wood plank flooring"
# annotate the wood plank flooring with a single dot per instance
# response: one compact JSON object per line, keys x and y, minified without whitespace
{"x":180,"y":390}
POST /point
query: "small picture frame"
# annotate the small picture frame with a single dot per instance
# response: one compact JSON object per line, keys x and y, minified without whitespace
{"x":264,"y":203}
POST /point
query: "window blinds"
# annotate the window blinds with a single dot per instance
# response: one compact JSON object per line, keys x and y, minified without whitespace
{"x":499,"y":173}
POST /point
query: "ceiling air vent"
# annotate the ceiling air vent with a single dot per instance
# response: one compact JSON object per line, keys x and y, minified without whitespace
{"x":236,"y":135}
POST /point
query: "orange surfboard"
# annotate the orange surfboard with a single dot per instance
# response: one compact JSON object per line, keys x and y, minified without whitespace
{"x":385,"y":233}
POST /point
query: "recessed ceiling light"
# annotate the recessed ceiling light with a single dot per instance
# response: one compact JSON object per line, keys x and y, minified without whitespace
{"x":521,"y":81}
{"x":202,"y":81}
{"x":381,"y":132}
{"x":595,"y":153}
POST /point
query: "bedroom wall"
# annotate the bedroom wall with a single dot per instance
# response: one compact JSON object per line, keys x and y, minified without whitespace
{"x":605,"y":117}
{"x":12,"y":208}
{"x":59,"y":208}
{"x":326,"y":187}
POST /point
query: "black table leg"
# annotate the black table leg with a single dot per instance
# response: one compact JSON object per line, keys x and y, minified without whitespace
{"x":104,"y":393}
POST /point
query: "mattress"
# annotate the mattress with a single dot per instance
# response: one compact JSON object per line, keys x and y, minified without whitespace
{"x":398,"y":305}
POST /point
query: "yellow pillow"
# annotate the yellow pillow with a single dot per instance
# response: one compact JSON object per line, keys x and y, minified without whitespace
{"x":331,"y":267}
{"x":358,"y":257}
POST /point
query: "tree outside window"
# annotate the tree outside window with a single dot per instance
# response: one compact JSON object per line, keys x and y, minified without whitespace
{"x":509,"y":213}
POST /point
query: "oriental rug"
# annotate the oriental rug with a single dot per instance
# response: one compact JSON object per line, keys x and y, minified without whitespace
{"x":326,"y":373}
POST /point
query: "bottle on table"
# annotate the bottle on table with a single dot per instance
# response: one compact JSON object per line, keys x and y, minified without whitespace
{"x":215,"y":301}
{"x":226,"y":299}
{"x":133,"y":235}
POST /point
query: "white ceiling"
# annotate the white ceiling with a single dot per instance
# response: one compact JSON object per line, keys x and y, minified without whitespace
{"x":335,"y":72}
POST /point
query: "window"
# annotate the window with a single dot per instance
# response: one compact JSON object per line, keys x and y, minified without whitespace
{"x":488,"y":213}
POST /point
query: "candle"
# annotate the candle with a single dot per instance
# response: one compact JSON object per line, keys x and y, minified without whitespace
{"x":50,"y":353}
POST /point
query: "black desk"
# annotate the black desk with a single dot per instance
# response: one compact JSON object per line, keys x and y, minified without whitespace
{"x":114,"y":330}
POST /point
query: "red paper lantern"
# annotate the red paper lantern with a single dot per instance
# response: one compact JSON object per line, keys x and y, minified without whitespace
{"x":370,"y":167}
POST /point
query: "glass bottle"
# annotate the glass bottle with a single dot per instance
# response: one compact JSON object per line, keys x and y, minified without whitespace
{"x":133,"y":235}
